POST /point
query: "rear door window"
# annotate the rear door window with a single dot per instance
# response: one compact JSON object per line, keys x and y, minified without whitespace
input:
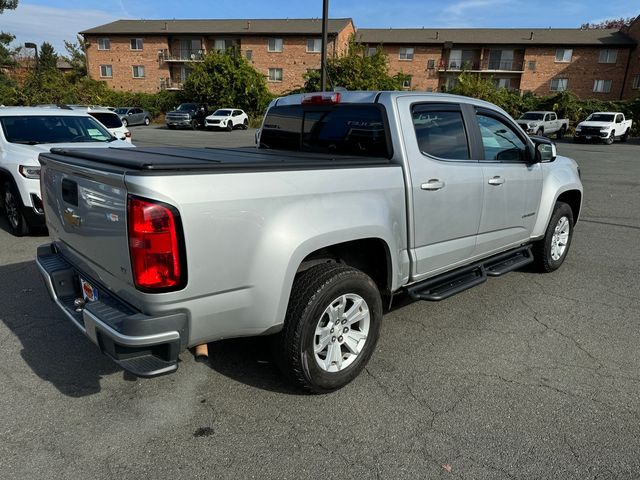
{"x":344,"y":129}
{"x":440,"y":131}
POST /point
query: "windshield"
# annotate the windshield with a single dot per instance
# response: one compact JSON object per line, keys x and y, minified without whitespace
{"x":32,"y":130}
{"x":532,"y":116}
{"x":222,"y":113}
{"x":600,"y":117}
{"x":109,"y":120}
{"x":121,"y":111}
{"x":187,"y":106}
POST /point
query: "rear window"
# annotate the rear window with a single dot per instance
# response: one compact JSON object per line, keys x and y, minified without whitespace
{"x":109,"y":120}
{"x":347,"y":129}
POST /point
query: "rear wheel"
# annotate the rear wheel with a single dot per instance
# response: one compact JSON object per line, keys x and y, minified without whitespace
{"x":147,"y":120}
{"x":13,"y":208}
{"x":550,"y":252}
{"x":331,"y":327}
{"x":245,"y":124}
{"x":625,"y":137}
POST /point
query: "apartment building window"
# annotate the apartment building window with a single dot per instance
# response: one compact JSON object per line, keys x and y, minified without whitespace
{"x":559,"y":84}
{"x":106,"y":71}
{"x":431,"y":64}
{"x":371,"y":51}
{"x":275,"y":74}
{"x":563,"y":55}
{"x":406,"y":53}
{"x":602,"y":86}
{"x":274,"y":45}
{"x":104,"y":44}
{"x":532,"y":65}
{"x":249,"y":54}
{"x":502,"y":83}
{"x":608,"y":56}
{"x":136,"y":44}
{"x":138,"y":71}
{"x":406,"y":82}
{"x":636,"y":82}
{"x":314,"y":45}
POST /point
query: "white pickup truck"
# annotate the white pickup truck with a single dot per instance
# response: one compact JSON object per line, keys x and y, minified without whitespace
{"x":350,"y":198}
{"x":543,"y":123}
{"x":603,"y":127}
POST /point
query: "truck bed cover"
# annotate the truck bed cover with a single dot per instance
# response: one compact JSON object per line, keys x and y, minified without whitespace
{"x":163,"y":159}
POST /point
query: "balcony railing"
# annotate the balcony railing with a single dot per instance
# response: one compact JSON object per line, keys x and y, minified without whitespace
{"x":477,"y":66}
{"x":182,"y":55}
{"x":168,"y":84}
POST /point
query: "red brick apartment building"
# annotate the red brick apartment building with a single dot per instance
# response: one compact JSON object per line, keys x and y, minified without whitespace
{"x":150,"y":55}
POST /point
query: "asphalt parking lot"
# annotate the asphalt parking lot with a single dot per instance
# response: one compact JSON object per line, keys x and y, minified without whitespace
{"x":527,"y":376}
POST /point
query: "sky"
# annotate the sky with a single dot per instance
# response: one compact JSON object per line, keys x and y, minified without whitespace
{"x":58,"y":20}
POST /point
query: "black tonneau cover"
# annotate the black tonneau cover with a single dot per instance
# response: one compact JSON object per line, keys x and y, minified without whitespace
{"x":172,"y":159}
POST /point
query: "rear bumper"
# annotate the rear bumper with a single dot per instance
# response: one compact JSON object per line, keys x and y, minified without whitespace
{"x":146,"y":346}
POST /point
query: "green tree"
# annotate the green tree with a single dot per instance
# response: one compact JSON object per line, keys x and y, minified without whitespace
{"x":356,"y":70}
{"x":6,"y":52}
{"x":226,"y":79}
{"x":8,"y":5}
{"x":76,"y":57}
{"x":47,"y":57}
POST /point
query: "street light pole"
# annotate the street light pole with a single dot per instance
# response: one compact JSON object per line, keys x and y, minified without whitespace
{"x":35,"y":47}
{"x":323,"y":53}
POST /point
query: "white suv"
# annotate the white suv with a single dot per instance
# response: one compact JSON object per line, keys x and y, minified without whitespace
{"x":25,"y":132}
{"x":110,"y":119}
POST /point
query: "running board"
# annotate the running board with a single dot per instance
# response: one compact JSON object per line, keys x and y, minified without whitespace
{"x":450,"y":283}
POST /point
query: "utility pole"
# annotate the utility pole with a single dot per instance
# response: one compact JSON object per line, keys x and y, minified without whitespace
{"x":323,"y":52}
{"x":35,"y":47}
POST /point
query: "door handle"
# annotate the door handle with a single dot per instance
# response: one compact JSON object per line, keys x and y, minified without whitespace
{"x":433,"y":184}
{"x":497,"y":180}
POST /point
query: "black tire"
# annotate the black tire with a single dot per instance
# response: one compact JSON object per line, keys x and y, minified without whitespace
{"x":171,"y":127}
{"x":194,"y":124}
{"x":577,"y":140}
{"x":609,"y":140}
{"x":313,"y":291}
{"x":560,"y":133}
{"x":13,"y":210}
{"x":147,"y":120}
{"x":125,"y":123}
{"x":540,"y":132}
{"x":625,"y":136}
{"x":245,"y":124}
{"x":543,"y":260}
{"x":229,"y":125}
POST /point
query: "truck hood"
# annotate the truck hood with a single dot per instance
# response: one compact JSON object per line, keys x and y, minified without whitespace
{"x":181,"y":112}
{"x":595,"y":124}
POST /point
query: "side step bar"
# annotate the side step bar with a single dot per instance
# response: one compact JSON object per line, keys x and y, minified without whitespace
{"x":449,"y":283}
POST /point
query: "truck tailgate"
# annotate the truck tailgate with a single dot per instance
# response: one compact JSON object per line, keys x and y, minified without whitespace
{"x":86,"y":215}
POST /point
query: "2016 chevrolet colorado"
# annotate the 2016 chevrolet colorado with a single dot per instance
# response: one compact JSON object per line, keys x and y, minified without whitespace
{"x":349,"y":198}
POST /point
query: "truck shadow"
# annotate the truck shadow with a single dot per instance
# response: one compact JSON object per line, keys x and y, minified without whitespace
{"x":52,"y":347}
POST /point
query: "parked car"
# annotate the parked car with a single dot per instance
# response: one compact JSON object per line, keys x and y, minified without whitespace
{"x":227,"y":118}
{"x":26,"y":132}
{"x":189,"y":115}
{"x":111,"y":120}
{"x":133,"y":116}
{"x":603,"y":127}
{"x":543,"y":123}
{"x":347,"y":200}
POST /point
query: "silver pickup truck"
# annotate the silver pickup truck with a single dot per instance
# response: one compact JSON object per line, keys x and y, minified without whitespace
{"x":349,"y":199}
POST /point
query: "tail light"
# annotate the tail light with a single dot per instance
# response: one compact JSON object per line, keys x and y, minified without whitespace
{"x":324,"y":98}
{"x":156,"y":246}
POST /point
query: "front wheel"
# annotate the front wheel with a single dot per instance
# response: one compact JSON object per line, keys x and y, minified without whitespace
{"x":625,"y":136}
{"x":13,"y":209}
{"x":194,"y":124}
{"x":610,"y":138}
{"x":331,"y":327}
{"x":229,"y":125}
{"x":550,"y":251}
{"x":125,"y":123}
{"x":540,"y":132}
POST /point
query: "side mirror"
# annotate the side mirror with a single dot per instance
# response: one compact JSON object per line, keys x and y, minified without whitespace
{"x":545,"y":149}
